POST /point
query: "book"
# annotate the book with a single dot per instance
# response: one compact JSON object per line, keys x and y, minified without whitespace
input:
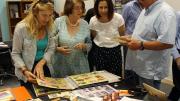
{"x":45,"y":93}
{"x":79,"y":81}
{"x":58,"y":83}
{"x":20,"y":93}
{"x":41,"y":91}
{"x":155,"y":94}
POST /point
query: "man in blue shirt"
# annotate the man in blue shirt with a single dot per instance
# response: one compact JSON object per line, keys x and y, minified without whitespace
{"x":175,"y":92}
{"x":130,"y":14}
{"x":154,"y":34}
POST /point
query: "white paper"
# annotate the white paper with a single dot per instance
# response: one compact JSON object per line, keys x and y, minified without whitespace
{"x":129,"y":99}
{"x":2,"y":44}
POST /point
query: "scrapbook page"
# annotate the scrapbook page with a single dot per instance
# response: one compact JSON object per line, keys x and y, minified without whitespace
{"x":88,"y":79}
{"x":57,"y":83}
{"x":40,"y":91}
{"x":97,"y":91}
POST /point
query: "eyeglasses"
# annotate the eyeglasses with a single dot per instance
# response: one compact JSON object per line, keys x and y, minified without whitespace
{"x":41,"y":1}
{"x":77,"y":8}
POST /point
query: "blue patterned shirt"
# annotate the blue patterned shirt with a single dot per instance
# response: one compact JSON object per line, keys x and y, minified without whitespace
{"x":130,"y":14}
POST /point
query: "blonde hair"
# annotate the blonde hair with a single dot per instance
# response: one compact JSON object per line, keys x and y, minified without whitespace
{"x":32,"y":21}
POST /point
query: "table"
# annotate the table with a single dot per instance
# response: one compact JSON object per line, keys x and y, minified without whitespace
{"x":118,"y":85}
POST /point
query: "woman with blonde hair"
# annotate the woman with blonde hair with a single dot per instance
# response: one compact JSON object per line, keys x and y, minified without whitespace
{"x":72,"y":41}
{"x":33,"y":45}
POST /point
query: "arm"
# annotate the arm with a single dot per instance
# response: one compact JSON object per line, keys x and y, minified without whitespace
{"x":126,"y":13}
{"x":165,"y":31}
{"x":93,"y":34}
{"x":148,"y":45}
{"x":88,"y":41}
{"x":17,"y":47}
{"x":86,"y":45}
{"x":121,"y":30}
{"x":18,"y":41}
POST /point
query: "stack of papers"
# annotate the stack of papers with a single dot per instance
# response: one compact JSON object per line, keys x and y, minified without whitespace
{"x":2,"y":44}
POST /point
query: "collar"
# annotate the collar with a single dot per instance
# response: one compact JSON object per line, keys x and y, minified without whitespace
{"x":152,"y":6}
{"x":136,"y":2}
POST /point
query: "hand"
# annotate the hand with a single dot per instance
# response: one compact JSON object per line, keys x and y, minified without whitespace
{"x":113,"y":97}
{"x":80,"y":46}
{"x":38,"y":70}
{"x":134,"y":44}
{"x":126,"y":38}
{"x":178,"y":63}
{"x":30,"y":76}
{"x":65,"y":50}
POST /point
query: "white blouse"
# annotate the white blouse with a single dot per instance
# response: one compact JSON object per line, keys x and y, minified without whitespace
{"x":106,"y":31}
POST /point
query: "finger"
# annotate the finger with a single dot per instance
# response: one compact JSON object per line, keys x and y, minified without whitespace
{"x":37,"y":74}
{"x":65,"y":47}
{"x":114,"y":96}
{"x":34,"y":72}
{"x":33,"y":81}
{"x":42,"y":76}
{"x":75,"y":46}
{"x":105,"y":98}
{"x":68,"y":50}
{"x":109,"y":97}
{"x":33,"y":76}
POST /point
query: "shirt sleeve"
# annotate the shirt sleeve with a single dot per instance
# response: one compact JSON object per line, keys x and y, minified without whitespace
{"x":91,"y":23}
{"x":166,"y":27}
{"x":125,"y":13}
{"x":18,"y":46}
{"x":120,"y":19}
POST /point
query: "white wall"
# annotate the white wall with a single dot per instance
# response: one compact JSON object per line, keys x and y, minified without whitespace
{"x":174,"y":3}
{"x":59,"y":5}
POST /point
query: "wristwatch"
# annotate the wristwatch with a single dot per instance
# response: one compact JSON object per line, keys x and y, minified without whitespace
{"x":142,"y":45}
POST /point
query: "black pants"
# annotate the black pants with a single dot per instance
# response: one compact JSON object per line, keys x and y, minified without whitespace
{"x":28,"y":85}
{"x":175,"y":92}
{"x":108,"y":59}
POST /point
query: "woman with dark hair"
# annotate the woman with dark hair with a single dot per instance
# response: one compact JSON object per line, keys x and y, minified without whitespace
{"x":72,"y":40}
{"x":106,"y":25}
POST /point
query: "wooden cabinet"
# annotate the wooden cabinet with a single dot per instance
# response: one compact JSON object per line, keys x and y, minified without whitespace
{"x":16,"y":11}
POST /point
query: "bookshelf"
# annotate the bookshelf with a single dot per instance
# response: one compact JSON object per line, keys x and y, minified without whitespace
{"x":16,"y":11}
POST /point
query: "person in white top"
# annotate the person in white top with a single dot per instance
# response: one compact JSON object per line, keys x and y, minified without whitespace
{"x":106,"y":25}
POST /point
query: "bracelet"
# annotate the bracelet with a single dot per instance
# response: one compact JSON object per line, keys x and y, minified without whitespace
{"x":142,"y":46}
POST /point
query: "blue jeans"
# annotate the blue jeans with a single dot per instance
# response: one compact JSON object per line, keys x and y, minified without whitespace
{"x":151,"y":82}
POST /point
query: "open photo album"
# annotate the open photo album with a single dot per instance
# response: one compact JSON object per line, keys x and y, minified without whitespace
{"x":79,"y":81}
{"x":52,"y":85}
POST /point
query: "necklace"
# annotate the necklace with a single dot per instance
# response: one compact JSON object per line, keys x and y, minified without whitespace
{"x":73,"y":25}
